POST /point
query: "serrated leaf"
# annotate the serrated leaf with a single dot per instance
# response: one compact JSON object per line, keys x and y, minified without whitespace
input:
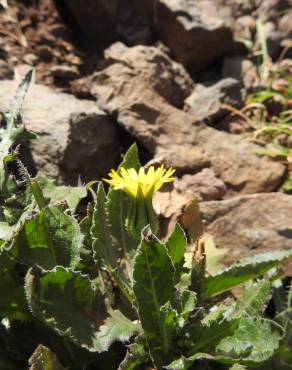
{"x":71,"y":195}
{"x":68,"y":302}
{"x":117,"y":208}
{"x":7,"y":136}
{"x":186,"y":302}
{"x":102,"y":244}
{"x":44,"y":359}
{"x":253,"y":342}
{"x":247,"y":269}
{"x":176,"y":245}
{"x":169,"y":326}
{"x":117,"y":328}
{"x":238,"y":367}
{"x":50,"y":238}
{"x":153,"y":288}
{"x":136,"y":356}
{"x":206,"y":337}
{"x":254,"y":299}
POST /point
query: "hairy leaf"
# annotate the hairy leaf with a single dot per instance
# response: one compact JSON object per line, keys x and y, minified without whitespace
{"x":51,"y":238}
{"x":254,"y":299}
{"x":68,"y":302}
{"x":176,"y":245}
{"x":117,"y":328}
{"x":153,"y":288}
{"x":69,"y":194}
{"x":249,"y":268}
{"x":44,"y":359}
{"x":117,"y":208}
{"x":254,"y":341}
{"x":7,"y":137}
{"x":136,"y":356}
{"x":102,"y":245}
{"x":13,"y":303}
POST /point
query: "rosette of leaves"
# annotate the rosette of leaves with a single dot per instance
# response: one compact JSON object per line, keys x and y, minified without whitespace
{"x":83,"y":293}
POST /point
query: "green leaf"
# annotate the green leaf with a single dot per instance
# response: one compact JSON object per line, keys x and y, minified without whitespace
{"x":136,"y":356}
{"x":238,"y":367}
{"x":176,"y":245}
{"x":247,"y":269}
{"x":169,"y":326}
{"x":205,"y":336}
{"x":253,"y":342}
{"x":254,"y":299}
{"x":117,"y":208}
{"x":153,"y":287}
{"x":44,"y":359}
{"x":68,"y":302}
{"x":112,"y":242}
{"x":13,"y":303}
{"x":51,"y":238}
{"x":214,"y":255}
{"x":7,"y":137}
{"x":186,"y":302}
{"x":117,"y":328}
{"x":102,"y":244}
{"x":71,"y":195}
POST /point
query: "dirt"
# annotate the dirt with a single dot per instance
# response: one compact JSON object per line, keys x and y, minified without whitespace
{"x":34,"y":35}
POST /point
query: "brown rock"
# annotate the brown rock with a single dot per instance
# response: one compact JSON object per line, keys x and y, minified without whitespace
{"x":240,"y":68}
{"x":5,"y":71}
{"x":193,"y":31}
{"x":250,"y":224}
{"x":165,"y":76}
{"x":173,"y":136}
{"x":105,"y":21}
{"x":74,"y":136}
{"x":64,"y":72}
{"x":211,"y":104}
{"x":204,"y":185}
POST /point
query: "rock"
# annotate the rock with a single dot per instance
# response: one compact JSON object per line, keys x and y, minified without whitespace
{"x":74,"y":136}
{"x":204,"y":185}
{"x":124,"y":18}
{"x":5,"y":71}
{"x":244,"y":26}
{"x":174,"y":138}
{"x":276,"y":18}
{"x":65,"y":72}
{"x":30,"y":59}
{"x":250,"y":224}
{"x":240,"y":68}
{"x":285,"y":25}
{"x":270,"y":10}
{"x":210,"y":103}
{"x":193,"y":31}
{"x":165,"y":76}
{"x":173,"y":207}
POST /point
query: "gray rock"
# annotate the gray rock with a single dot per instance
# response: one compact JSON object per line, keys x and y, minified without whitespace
{"x":74,"y":136}
{"x":174,"y":138}
{"x":5,"y":71}
{"x":64,"y":72}
{"x":105,"y":21}
{"x":209,"y":104}
{"x":168,"y":78}
{"x":204,"y":185}
{"x":250,"y":224}
{"x":240,"y":68}
{"x":193,"y":30}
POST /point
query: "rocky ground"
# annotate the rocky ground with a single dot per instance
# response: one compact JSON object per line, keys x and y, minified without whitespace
{"x":176,"y":76}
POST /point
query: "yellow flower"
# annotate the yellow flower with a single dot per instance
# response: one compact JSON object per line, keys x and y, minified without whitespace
{"x":139,"y":183}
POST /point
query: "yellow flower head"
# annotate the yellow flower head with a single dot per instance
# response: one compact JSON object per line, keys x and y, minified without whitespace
{"x":141,"y":182}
